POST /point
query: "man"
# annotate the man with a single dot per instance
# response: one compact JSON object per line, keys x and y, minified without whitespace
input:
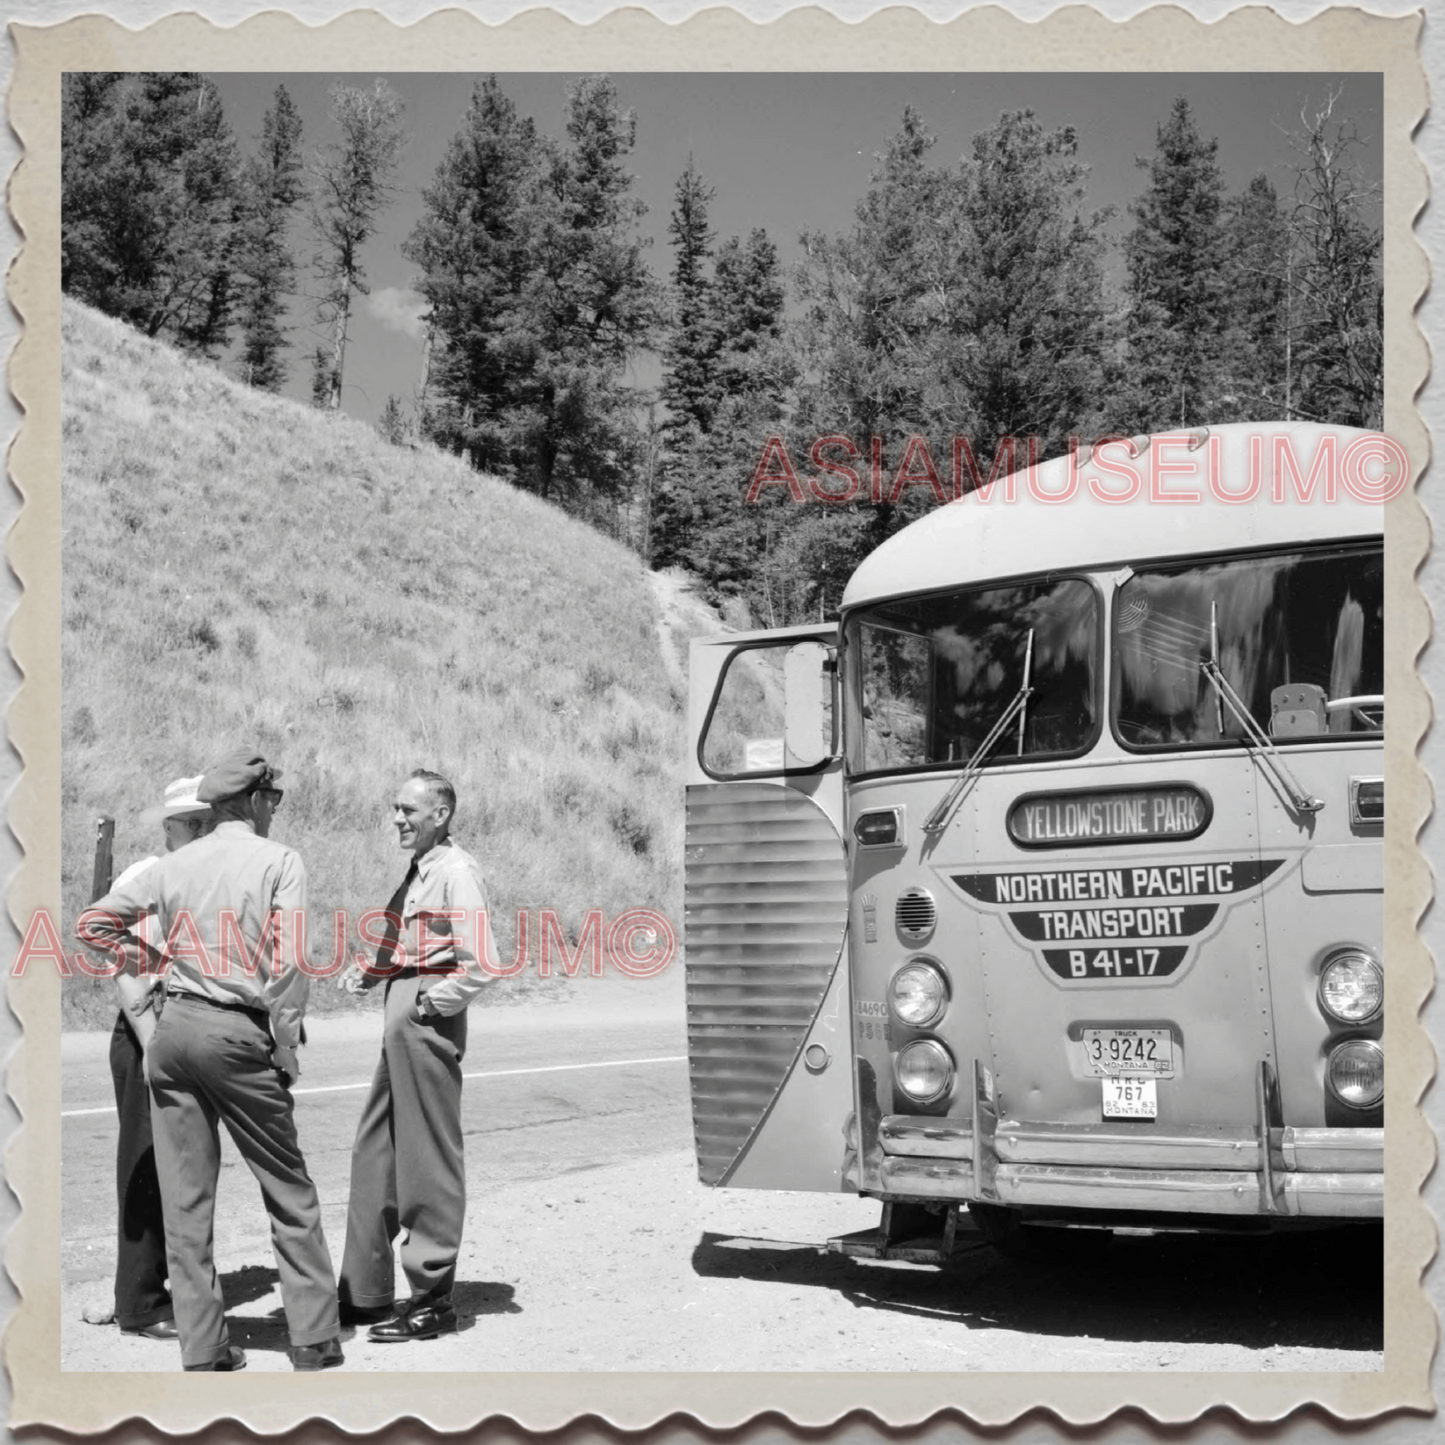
{"x":142,"y":1302}
{"x":229,"y":906}
{"x":407,"y":1171}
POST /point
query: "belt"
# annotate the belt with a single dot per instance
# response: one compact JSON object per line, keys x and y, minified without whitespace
{"x":186,"y":996}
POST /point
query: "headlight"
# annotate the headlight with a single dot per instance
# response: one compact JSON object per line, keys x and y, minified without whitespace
{"x":1356,"y":1073}
{"x":924,"y":1070}
{"x":1352,"y":987}
{"x":918,"y":994}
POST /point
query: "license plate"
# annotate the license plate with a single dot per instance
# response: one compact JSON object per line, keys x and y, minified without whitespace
{"x":1130,"y":1099}
{"x":1129,"y":1053}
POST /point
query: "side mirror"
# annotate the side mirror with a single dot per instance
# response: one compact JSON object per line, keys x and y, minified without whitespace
{"x":807,"y":705}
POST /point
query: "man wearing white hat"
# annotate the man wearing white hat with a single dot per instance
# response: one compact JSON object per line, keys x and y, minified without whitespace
{"x":142,"y":1302}
{"x":225,"y":1052}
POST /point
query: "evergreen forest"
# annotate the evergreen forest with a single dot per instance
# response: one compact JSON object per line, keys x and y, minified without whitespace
{"x":976,"y":312}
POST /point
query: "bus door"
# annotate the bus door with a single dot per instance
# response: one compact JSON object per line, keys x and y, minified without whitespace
{"x":766,"y":902}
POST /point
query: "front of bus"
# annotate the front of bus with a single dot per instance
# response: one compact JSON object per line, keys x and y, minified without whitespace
{"x":1115,"y":808}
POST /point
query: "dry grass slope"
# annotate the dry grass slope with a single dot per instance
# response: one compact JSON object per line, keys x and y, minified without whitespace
{"x":240,"y":569}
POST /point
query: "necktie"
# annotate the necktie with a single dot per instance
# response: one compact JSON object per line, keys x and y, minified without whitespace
{"x":387,"y":950}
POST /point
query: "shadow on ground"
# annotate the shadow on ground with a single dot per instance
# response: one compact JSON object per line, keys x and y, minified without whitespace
{"x":472,"y":1299}
{"x":1321,"y":1290}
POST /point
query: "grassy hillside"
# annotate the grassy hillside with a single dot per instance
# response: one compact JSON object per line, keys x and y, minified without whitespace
{"x":240,"y":569}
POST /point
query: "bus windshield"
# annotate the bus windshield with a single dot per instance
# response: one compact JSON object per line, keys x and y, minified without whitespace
{"x":931,"y":675}
{"x":1298,"y":637}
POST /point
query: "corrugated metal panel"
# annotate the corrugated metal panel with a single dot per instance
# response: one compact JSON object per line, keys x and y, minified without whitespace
{"x":766,"y":898}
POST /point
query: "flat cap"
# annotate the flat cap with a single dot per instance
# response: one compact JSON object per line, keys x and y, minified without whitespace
{"x":240,"y":772}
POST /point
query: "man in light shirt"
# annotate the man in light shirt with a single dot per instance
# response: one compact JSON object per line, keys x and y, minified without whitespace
{"x":407,"y":1170}
{"x":229,"y":907}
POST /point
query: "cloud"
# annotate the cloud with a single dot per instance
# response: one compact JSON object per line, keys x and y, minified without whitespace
{"x":398,"y":309}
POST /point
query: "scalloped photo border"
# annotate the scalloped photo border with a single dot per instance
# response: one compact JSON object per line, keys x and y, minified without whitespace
{"x":1076,"y":39}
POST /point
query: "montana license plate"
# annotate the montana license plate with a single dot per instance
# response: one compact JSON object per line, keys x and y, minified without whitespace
{"x":1130,"y":1099}
{"x":1125,"y":1053}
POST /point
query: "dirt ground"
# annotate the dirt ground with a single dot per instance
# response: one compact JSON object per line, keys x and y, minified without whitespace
{"x":590,"y":1245}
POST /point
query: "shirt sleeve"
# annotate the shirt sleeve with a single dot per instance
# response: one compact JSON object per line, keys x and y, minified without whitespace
{"x":471,"y":941}
{"x":288,"y":984}
{"x":118,"y":922}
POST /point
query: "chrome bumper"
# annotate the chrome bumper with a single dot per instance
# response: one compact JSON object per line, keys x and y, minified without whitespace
{"x":1271,"y":1169}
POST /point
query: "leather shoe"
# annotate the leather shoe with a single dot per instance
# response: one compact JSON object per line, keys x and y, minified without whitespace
{"x":233,"y":1359}
{"x":351,"y":1314}
{"x":415,"y":1322}
{"x":156,"y":1330}
{"x":323,"y":1356}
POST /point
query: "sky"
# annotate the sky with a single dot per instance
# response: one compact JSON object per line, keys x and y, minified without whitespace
{"x":785,"y":152}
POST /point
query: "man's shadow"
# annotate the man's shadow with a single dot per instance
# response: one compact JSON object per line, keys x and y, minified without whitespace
{"x":474,"y":1298}
{"x":470,"y":1298}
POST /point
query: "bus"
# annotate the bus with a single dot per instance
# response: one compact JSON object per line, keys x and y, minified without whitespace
{"x":1047,"y":882}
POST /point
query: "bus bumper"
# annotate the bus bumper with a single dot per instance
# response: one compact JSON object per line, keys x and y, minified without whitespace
{"x":1270,"y":1169}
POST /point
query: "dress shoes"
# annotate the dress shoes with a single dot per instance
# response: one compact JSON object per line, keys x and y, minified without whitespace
{"x":415,"y":1322}
{"x":156,"y":1330}
{"x":351,"y":1314}
{"x":324,"y":1356}
{"x":233,"y":1359}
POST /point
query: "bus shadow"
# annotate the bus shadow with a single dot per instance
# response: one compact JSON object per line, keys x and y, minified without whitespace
{"x":1321,"y":1290}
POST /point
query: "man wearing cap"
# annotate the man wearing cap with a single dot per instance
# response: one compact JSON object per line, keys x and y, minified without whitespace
{"x":407,"y":1171}
{"x":142,"y":1302}
{"x":229,"y":906}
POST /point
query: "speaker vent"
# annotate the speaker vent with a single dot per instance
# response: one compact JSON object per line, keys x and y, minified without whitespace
{"x":915,"y":915}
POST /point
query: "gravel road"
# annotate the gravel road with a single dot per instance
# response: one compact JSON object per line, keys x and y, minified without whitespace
{"x":591,"y":1245}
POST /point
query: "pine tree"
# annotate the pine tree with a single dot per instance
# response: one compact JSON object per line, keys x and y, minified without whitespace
{"x":391,"y":423}
{"x":354,"y":180}
{"x":689,"y":388}
{"x":1337,"y":291}
{"x":1178,"y":300}
{"x":472,"y":244}
{"x":1259,"y":350}
{"x":588,"y":304}
{"x":149,"y":203}
{"x":701,"y":517}
{"x":1030,"y":329}
{"x":273,"y":185}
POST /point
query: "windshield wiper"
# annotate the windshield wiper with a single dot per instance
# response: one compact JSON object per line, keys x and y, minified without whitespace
{"x":1017,"y":708}
{"x":1255,"y":738}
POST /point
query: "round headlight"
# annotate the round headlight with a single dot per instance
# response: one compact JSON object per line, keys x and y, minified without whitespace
{"x":1352,"y":987}
{"x":918,"y":994}
{"x":1356,"y":1072}
{"x":924,"y":1070}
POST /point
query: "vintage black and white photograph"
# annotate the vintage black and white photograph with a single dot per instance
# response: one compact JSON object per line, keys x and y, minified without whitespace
{"x":722,"y":721}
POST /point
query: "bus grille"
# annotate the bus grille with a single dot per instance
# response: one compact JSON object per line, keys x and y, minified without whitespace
{"x":765,"y":898}
{"x":915,"y":914}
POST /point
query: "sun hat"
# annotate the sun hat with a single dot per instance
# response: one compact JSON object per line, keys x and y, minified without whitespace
{"x":180,"y":802}
{"x":242,"y":771}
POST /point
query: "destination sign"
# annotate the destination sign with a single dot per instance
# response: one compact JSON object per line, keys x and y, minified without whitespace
{"x":1117,"y":815}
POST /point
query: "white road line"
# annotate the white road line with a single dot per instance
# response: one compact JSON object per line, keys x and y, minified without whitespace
{"x":489,"y":1074}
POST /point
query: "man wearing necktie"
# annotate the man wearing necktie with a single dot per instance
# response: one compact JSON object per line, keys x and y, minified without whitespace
{"x":407,"y":1171}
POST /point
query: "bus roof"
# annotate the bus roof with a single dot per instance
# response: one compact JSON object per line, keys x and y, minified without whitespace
{"x":1015,"y":534}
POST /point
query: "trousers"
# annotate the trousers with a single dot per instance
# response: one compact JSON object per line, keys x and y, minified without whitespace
{"x":141,"y":1297}
{"x":407,"y":1171}
{"x":210,"y":1066}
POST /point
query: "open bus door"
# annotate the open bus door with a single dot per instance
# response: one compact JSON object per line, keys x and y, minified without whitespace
{"x":766,"y":904}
